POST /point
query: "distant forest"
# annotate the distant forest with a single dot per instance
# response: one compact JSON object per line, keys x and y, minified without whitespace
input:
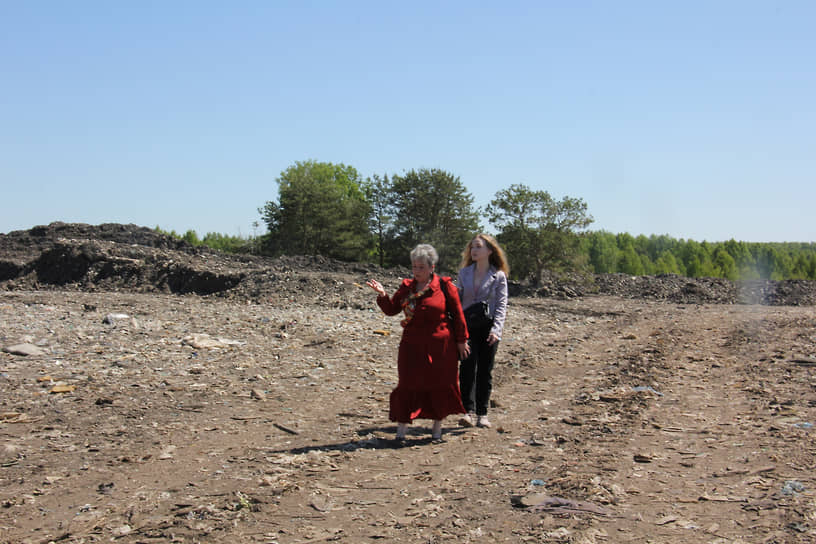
{"x":603,"y":252}
{"x":328,"y":209}
{"x":641,"y":255}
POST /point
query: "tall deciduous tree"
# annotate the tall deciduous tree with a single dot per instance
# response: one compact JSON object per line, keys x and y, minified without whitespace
{"x":431,"y":206}
{"x":537,"y":231}
{"x":381,"y":219}
{"x":630,"y":262}
{"x":321,"y":210}
{"x":603,"y":252}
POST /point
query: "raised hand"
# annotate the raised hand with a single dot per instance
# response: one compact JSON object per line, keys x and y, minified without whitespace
{"x":377,"y":286}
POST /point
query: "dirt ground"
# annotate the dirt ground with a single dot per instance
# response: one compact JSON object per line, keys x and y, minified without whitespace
{"x":664,"y":422}
{"x":141,"y":417}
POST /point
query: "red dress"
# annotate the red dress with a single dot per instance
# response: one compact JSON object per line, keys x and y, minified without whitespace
{"x":428,"y":361}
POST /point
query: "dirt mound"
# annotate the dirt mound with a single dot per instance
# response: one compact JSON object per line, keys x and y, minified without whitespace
{"x":683,"y":290}
{"x":128,"y":257}
{"x":113,"y":257}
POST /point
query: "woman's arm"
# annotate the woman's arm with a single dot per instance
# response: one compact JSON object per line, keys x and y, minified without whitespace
{"x":454,"y":307}
{"x":500,"y":309}
{"x":389,"y":306}
{"x":465,"y":284}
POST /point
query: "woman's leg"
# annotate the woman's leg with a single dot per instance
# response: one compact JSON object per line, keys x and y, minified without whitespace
{"x":467,"y":380}
{"x":484,"y":376}
{"x":436,"y":432}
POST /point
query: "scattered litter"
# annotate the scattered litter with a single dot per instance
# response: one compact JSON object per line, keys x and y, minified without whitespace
{"x":167,"y":452}
{"x":539,"y":502}
{"x":321,"y":503}
{"x":647,"y":389}
{"x":111,"y":319}
{"x":665,"y":520}
{"x":257,"y":394}
{"x":105,"y":489}
{"x":285,"y":429}
{"x":61,"y":388}
{"x":25,"y":350}
{"x":792,"y":487}
{"x":205,"y":341}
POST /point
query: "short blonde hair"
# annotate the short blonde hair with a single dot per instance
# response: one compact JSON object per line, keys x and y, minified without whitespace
{"x":425,"y":252}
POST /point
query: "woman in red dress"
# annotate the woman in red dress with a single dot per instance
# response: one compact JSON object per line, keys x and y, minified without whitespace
{"x":431,"y":346}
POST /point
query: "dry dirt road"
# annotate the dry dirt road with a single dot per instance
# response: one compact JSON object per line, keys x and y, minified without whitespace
{"x":161,"y":418}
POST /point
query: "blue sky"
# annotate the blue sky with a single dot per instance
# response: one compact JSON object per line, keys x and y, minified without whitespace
{"x":692,"y":119}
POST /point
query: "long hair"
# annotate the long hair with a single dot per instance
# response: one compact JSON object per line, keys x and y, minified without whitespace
{"x":497,"y":258}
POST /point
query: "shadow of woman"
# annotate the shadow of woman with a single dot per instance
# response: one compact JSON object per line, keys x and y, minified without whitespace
{"x":370,"y":439}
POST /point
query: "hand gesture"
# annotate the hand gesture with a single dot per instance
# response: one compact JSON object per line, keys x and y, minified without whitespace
{"x":377,"y":286}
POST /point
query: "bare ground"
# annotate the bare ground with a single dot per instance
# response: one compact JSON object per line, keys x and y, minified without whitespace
{"x":149,"y":415}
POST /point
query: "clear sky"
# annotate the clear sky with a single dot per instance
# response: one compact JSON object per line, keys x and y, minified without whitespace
{"x":695,"y":119}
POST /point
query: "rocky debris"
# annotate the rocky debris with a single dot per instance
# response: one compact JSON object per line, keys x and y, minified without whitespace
{"x":113,"y":257}
{"x":676,"y":289}
{"x":24,"y":350}
{"x":777,"y":293}
{"x":208,"y":419}
{"x":258,"y":412}
{"x":137,"y":259}
{"x":669,"y":288}
{"x":128,"y":257}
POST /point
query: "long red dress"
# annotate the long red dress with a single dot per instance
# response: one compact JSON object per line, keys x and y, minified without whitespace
{"x":428,"y":361}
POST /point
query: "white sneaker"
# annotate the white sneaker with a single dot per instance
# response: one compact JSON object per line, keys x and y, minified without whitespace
{"x":467,"y":420}
{"x":482,"y":421}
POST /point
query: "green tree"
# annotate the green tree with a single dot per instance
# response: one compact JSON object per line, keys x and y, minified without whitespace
{"x":724,"y":264}
{"x":811,"y":267}
{"x":603,"y":252}
{"x":695,"y":258}
{"x":666,"y":263}
{"x":321,"y":210}
{"x":191,"y":238}
{"x":538,"y":231}
{"x":430,"y":206}
{"x":227,"y":243}
{"x":804,"y":266}
{"x":658,"y":245}
{"x":378,"y":191}
{"x":773,"y":263}
{"x":630,"y":262}
{"x":743,"y":259}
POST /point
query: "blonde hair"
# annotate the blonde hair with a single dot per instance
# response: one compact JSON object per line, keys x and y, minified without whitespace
{"x":497,"y":257}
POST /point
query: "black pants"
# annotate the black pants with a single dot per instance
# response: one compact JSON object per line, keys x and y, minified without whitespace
{"x":476,"y":372}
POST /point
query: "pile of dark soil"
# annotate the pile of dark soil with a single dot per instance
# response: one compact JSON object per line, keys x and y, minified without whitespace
{"x":111,"y":257}
{"x":680,"y":289}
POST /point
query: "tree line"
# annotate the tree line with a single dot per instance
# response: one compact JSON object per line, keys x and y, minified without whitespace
{"x":330,"y":210}
{"x":640,"y":255}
